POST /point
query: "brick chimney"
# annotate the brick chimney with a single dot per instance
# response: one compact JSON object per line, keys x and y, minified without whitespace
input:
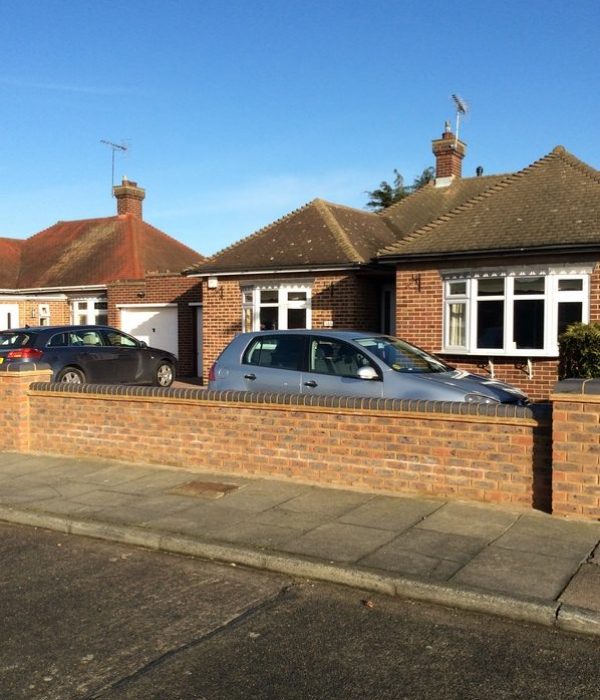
{"x":448,"y":152}
{"x":129,"y":198}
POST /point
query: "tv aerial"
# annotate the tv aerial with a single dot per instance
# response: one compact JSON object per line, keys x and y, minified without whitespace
{"x":461,"y":108}
{"x":114,"y":148}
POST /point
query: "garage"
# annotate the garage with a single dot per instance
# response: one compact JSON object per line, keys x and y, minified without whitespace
{"x":156,"y":324}
{"x":9,"y":316}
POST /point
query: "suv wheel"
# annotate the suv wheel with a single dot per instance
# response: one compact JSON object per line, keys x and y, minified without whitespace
{"x":164,"y":374}
{"x":71,"y":375}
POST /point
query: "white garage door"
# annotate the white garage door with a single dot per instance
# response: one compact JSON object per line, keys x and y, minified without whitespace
{"x":9,"y":316}
{"x":157,"y":325}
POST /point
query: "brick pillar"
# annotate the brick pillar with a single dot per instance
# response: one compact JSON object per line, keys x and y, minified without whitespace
{"x":14,"y":404}
{"x":576,"y":448}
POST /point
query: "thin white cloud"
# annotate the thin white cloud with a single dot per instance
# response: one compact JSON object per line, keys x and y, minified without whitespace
{"x":65,"y":87}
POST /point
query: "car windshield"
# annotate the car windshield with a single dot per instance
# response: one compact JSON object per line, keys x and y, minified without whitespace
{"x":10,"y":339}
{"x":401,"y":356}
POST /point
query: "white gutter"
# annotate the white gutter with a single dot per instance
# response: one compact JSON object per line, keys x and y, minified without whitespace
{"x":282,"y":271}
{"x":42,"y":290}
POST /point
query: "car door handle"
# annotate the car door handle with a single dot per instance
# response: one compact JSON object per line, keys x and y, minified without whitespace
{"x":311,"y":383}
{"x":250,"y":376}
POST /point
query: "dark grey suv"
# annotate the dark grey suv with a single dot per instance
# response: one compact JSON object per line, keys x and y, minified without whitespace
{"x":96,"y":354}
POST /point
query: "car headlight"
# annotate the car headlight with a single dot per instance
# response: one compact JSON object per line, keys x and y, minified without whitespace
{"x":480,"y":398}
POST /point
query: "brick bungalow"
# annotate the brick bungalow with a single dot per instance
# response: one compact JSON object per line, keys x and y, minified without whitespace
{"x":118,"y":270}
{"x":485,"y":271}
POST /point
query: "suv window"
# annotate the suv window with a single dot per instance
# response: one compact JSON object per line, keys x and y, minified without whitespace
{"x":120,"y":340}
{"x":13,"y":340}
{"x":331,"y":356}
{"x":277,"y":351}
{"x":58,"y":341}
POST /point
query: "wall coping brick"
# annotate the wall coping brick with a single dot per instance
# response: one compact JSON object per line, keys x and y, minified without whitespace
{"x":578,"y":386}
{"x":446,"y":409}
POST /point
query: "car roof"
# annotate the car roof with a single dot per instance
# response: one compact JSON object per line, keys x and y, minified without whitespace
{"x":341,"y":334}
{"x":54,"y":329}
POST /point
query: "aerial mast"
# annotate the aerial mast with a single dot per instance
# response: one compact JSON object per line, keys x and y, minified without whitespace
{"x":114,"y":147}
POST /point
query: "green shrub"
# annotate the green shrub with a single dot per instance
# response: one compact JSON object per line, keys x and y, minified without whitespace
{"x":579,"y":351}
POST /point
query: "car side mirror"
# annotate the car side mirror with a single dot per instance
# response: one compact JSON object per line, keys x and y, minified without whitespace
{"x":367,"y":373}
{"x":143,"y":344}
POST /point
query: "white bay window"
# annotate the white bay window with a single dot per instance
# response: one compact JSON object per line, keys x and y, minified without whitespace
{"x":514,"y":312}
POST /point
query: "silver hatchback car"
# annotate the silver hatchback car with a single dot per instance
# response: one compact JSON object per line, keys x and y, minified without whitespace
{"x":348,"y":363}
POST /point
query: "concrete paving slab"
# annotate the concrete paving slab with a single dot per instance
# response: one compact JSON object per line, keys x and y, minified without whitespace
{"x":471,"y":520}
{"x":198,"y":519}
{"x":28,"y":464}
{"x":551,"y":536}
{"x":389,"y":513}
{"x":583,"y":590}
{"x":331,"y":501}
{"x":113,"y":475}
{"x":257,"y":534}
{"x":393,"y":558}
{"x":263,"y":496}
{"x":157,"y":482}
{"x":62,"y":506}
{"x":338,"y":542}
{"x":437,"y":545}
{"x":288,"y":518}
{"x":516,"y":573}
{"x":104,"y":498}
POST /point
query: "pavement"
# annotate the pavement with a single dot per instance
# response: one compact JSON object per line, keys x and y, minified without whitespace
{"x":515,"y":563}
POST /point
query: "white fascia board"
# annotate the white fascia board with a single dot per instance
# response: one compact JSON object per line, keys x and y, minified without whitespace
{"x":283,"y":271}
{"x":55,"y":290}
{"x":24,"y":297}
{"x":146,"y":306}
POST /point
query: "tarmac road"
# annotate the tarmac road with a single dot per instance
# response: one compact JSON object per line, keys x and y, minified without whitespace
{"x":83,"y":619}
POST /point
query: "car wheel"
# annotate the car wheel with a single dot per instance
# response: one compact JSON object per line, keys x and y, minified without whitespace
{"x":164,"y":374}
{"x":71,"y":375}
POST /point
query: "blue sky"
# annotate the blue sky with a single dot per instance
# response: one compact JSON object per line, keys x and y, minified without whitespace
{"x":238,"y":112}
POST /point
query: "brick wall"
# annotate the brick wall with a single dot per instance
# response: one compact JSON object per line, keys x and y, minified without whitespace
{"x":163,"y":289}
{"x":576,"y":448}
{"x":343,"y":300}
{"x":478,"y":453}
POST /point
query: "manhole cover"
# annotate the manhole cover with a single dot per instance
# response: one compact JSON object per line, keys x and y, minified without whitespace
{"x":204,"y":489}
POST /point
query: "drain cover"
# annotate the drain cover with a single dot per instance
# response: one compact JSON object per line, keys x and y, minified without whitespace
{"x":204,"y":489}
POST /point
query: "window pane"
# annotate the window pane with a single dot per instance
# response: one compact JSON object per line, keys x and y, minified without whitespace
{"x":296,"y":296}
{"x":567,"y":285}
{"x":248,"y":319}
{"x":269,"y":296}
{"x":296,"y":318}
{"x":529,"y":285}
{"x":248,"y":297}
{"x":328,"y":356}
{"x":268,"y":318}
{"x":569,"y":312}
{"x":528,"y":326}
{"x":100,"y":305}
{"x":455,"y":288}
{"x":287,"y":353}
{"x":102,"y":318}
{"x":490,"y":324}
{"x":457,"y":326}
{"x":492,"y":287}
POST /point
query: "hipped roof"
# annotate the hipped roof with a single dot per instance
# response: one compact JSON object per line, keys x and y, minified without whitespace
{"x":319,"y":234}
{"x":89,"y":252}
{"x":552,"y":204}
